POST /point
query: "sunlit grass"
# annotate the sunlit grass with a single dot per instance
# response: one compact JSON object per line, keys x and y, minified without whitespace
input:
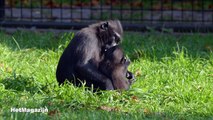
{"x":174,"y":78}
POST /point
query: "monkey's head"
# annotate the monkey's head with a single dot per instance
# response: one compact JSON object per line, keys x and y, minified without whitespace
{"x":114,"y":60}
{"x":116,"y":56}
{"x":110,"y":33}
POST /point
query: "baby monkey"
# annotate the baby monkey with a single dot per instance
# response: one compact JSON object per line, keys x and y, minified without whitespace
{"x":115,"y":66}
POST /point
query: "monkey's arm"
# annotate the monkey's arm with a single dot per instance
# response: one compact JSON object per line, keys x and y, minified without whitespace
{"x":91,"y":74}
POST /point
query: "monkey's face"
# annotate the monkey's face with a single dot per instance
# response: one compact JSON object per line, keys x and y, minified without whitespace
{"x":115,"y":57}
{"x":125,"y":61}
{"x":113,"y":40}
{"x":110,"y":33}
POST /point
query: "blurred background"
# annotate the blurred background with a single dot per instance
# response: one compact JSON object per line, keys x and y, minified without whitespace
{"x":177,"y":15}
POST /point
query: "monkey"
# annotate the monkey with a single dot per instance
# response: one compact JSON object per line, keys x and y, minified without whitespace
{"x":115,"y":66}
{"x":80,"y":60}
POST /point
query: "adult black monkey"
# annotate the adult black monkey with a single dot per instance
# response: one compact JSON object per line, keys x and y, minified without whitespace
{"x":81,"y":58}
{"x":115,"y":66}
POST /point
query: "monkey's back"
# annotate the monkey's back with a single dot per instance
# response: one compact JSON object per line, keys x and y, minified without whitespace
{"x":79,"y":47}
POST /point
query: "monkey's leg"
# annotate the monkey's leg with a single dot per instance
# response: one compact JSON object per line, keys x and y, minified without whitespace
{"x":90,"y":73}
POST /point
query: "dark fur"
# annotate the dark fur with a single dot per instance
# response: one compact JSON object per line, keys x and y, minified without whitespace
{"x":82,"y":56}
{"x":115,"y":66}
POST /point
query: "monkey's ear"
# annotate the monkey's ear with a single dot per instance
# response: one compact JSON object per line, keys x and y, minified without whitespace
{"x":104,"y":26}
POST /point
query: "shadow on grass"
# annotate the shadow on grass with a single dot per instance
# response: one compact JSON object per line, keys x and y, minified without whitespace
{"x":157,"y":45}
{"x":21,"y":83}
{"x":154,"y":45}
{"x":38,"y":40}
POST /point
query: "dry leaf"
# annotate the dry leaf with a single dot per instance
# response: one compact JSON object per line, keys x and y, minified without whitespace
{"x":53,"y":112}
{"x":138,"y":73}
{"x":146,"y":111}
{"x":135,"y":99}
{"x":106,"y":108}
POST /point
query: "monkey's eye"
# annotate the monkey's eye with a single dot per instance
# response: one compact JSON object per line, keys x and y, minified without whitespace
{"x":116,"y":38}
{"x":105,"y":26}
{"x":123,"y":60}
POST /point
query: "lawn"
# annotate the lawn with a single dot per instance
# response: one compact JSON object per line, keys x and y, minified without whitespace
{"x":174,"y":79}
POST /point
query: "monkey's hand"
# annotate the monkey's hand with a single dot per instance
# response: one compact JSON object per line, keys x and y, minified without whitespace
{"x":91,"y":74}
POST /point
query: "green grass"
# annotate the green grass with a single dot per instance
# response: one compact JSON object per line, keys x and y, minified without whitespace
{"x":174,"y":79}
